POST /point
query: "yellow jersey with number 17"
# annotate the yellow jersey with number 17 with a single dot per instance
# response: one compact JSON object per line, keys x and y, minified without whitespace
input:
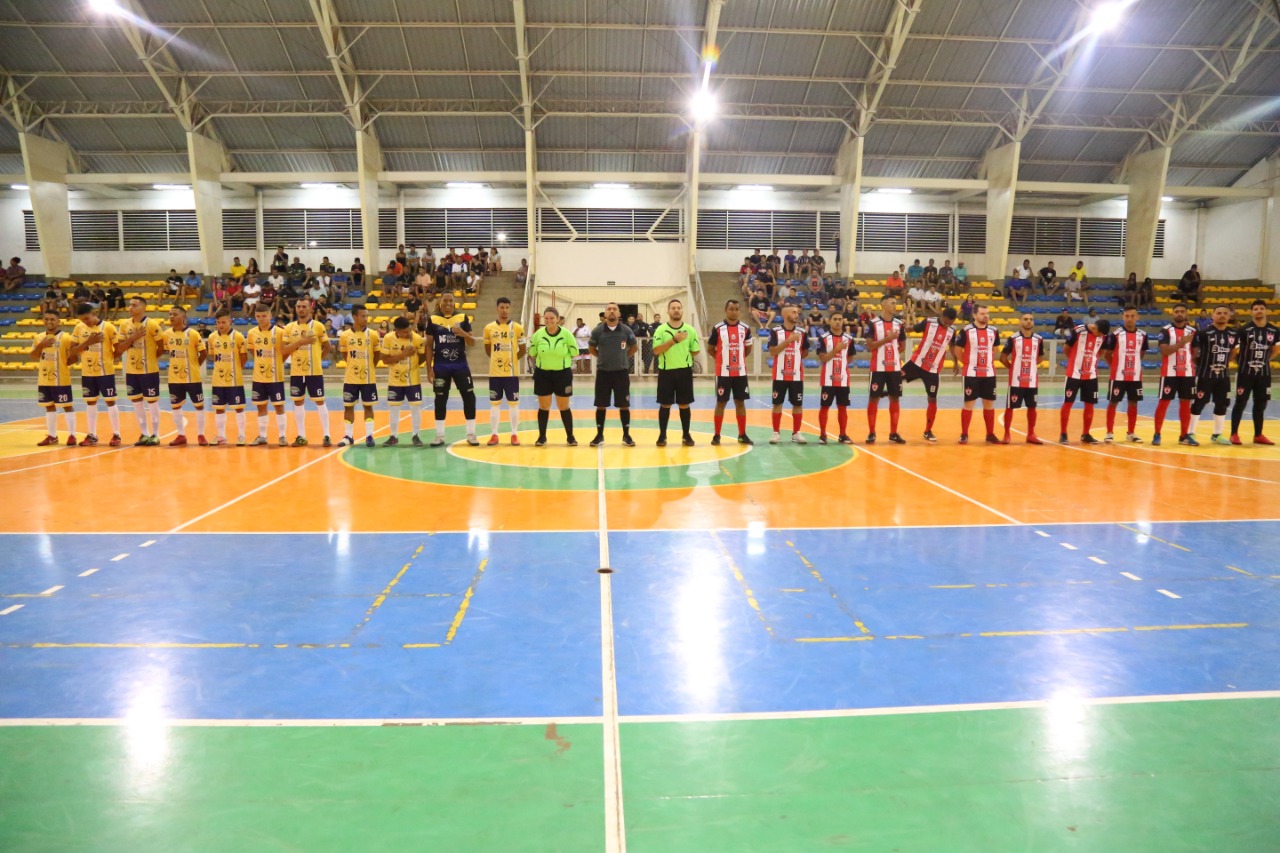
{"x":306,"y":360}
{"x":407,"y":371}
{"x":503,"y":340}
{"x":225,"y":352}
{"x":98,"y":359}
{"x":52,"y":368}
{"x":360,"y":349}
{"x":185,"y":349}
{"x":266,"y":348}
{"x":143,"y":355}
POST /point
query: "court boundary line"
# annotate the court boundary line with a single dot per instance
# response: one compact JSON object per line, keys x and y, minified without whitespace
{"x":615,"y":840}
{"x":78,"y":457}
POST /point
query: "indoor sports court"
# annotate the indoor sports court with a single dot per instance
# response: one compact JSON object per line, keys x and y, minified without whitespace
{"x":1020,"y":595}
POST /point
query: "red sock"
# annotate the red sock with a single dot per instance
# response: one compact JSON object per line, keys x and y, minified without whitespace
{"x":989,"y":415}
{"x":1066,"y":417}
{"x":777,"y":421}
{"x":1088,"y":417}
{"x":1161,"y":408}
{"x":842,"y":416}
{"x":742,"y":423}
{"x":1111,"y":418}
{"x":1133,"y":419}
{"x":966,"y":415}
{"x":1008,"y":419}
{"x":873,"y":406}
{"x":894,"y":410}
{"x":822,"y":419}
{"x":1184,"y":415}
{"x":796,"y":419}
{"x":719,"y":419}
{"x":1031,"y":422}
{"x":930,"y":412}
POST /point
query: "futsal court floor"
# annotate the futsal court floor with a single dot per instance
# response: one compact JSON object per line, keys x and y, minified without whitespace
{"x":775,"y":648}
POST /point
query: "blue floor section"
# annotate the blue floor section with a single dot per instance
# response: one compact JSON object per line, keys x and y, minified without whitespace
{"x":688,"y":638}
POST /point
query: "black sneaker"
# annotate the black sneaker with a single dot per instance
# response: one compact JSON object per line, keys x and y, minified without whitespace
{"x":572,"y":442}
{"x":745,"y":439}
{"x":628,"y":440}
{"x":328,"y":442}
{"x":844,"y":439}
{"x":871,"y":439}
{"x":964,"y":439}
{"x":662,"y":441}
{"x":894,"y":438}
{"x":1062,"y":439}
{"x":541,"y":442}
{"x":929,"y":436}
{"x":687,"y":440}
{"x":715,"y":440}
{"x":991,"y":439}
{"x":1088,"y":439}
{"x":598,"y":440}
{"x":822,"y":439}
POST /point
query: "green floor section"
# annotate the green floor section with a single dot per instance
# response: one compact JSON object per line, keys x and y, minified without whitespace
{"x":134,"y":789}
{"x":1153,"y":777}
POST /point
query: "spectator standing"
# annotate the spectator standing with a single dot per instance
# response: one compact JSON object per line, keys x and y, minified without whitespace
{"x":280,"y":260}
{"x":582,"y":334}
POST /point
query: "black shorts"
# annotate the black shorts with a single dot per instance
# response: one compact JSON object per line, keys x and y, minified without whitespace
{"x":732,"y":386}
{"x":1085,"y":389}
{"x":50,"y":395}
{"x":787,"y":389}
{"x":504,"y":386}
{"x":1019,"y":397}
{"x":93,"y":387}
{"x":1259,"y":386}
{"x":179,"y":391}
{"x":675,"y":386}
{"x":397,"y":394}
{"x":1119,"y":390}
{"x":459,"y":376}
{"x":613,"y":385}
{"x":231,"y":395}
{"x":912,"y":371}
{"x":549,"y":382}
{"x":837,"y":394}
{"x":1216,"y":389}
{"x":140,"y":386}
{"x":885,"y":383}
{"x":1182,"y":387}
{"x":363,"y":392}
{"x":979,"y":388}
{"x":268,"y":392}
{"x":306,"y":386}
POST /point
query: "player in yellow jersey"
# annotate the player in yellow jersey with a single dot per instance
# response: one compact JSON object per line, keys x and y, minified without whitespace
{"x":93,"y":342}
{"x":140,"y":345}
{"x":187,"y":355}
{"x":402,"y":352}
{"x":228,"y":353}
{"x":502,"y":339}
{"x":266,"y":345}
{"x":306,"y":345}
{"x":359,"y":346}
{"x":51,"y":351}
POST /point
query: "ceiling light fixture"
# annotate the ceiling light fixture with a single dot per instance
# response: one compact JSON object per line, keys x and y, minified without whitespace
{"x":502,"y":236}
{"x":754,"y":188}
{"x":894,"y":191}
{"x":1107,"y":16}
{"x":105,"y":7}
{"x":463,"y":185}
{"x":170,"y":187}
{"x":611,"y":186}
{"x":1166,"y":198}
{"x":19,"y":187}
{"x":703,"y":105}
{"x":312,"y":185}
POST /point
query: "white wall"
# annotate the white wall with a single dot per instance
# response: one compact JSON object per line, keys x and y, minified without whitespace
{"x":1233,"y":240}
{"x":629,"y":264}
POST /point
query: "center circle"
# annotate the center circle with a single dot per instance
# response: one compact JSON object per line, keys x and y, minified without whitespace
{"x":557,"y":454}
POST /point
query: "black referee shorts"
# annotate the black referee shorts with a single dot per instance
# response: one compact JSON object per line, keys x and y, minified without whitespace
{"x":549,"y":382}
{"x":613,"y":388}
{"x":675,"y":386}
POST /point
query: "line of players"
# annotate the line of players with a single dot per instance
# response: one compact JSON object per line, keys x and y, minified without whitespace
{"x":1195,"y":370}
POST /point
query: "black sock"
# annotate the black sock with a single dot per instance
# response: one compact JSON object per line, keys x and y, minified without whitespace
{"x":685,"y":416}
{"x":625,"y":416}
{"x":1237,"y":412}
{"x":1259,"y":413}
{"x":543,"y":417}
{"x":566,"y":418}
{"x":664,"y":416}
{"x":600,"y":413}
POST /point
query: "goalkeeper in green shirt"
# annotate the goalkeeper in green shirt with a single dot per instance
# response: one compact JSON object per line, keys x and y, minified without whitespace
{"x":674,"y":345}
{"x":553,"y":349}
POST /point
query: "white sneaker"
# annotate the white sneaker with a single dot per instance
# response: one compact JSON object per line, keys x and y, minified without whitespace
{"x":776,"y":438}
{"x":1134,"y":438}
{"x":797,"y":438}
{"x":1108,"y":437}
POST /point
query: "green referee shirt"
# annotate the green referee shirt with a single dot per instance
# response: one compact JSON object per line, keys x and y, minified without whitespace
{"x":553,"y":352}
{"x":681,"y":352}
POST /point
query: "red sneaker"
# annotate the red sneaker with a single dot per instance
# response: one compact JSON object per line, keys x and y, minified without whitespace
{"x":1262,"y":439}
{"x":1235,"y":439}
{"x":115,"y":441}
{"x":1005,"y":440}
{"x":493,"y":440}
{"x":71,"y":441}
{"x":515,"y":439}
{"x":47,"y":441}
{"x":1034,"y":439}
{"x":202,"y":441}
{"x":89,"y":441}
{"x":180,"y":441}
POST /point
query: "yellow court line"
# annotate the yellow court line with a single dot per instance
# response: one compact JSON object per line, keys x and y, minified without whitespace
{"x":421,"y":646}
{"x":1051,"y":632}
{"x":466,"y":602}
{"x":1190,"y":627}
{"x":1242,"y":571}
{"x":742,"y":582}
{"x":955,"y":586}
{"x":844,"y":608}
{"x":832,"y":639}
{"x":1156,"y":538}
{"x":382,"y":596}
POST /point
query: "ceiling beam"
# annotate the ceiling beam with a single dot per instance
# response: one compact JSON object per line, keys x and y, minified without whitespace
{"x":338,"y":51}
{"x":884,"y":58}
{"x":27,"y":116}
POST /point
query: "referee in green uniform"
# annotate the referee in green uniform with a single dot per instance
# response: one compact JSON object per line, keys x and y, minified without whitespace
{"x":674,"y":345}
{"x":553,"y":349}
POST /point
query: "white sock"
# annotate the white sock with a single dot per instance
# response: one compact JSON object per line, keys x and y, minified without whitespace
{"x":154,"y":406}
{"x":220,"y":421}
{"x":513,"y":415}
{"x":471,"y":428}
{"x":394,"y":422}
{"x":51,"y":422}
{"x":140,"y":412}
{"x":1192,"y":424}
{"x":113,"y":415}
{"x":179,"y":422}
{"x":349,"y":427}
{"x":495,"y":418}
{"x":240,"y":424}
{"x":300,"y":419}
{"x":1218,"y":421}
{"x":282,"y":421}
{"x":324,"y":417}
{"x":262,"y":425}
{"x":415,"y":418}
{"x":70,"y":416}
{"x":440,"y":429}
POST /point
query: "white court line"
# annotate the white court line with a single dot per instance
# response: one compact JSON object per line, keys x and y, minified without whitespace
{"x":1068,"y":546}
{"x":1099,"y":561}
{"x":118,"y":557}
{"x":1131,"y":576}
{"x":1169,"y":594}
{"x":303,"y":723}
{"x":615,"y":838}
{"x":148,"y":543}
{"x":11,"y":609}
{"x":86,"y":573}
{"x":51,"y":590}
{"x":79,"y":457}
{"x":1042,"y":533}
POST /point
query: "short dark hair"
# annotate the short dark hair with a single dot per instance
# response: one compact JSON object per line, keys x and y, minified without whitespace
{"x":84,"y":309}
{"x":1103,"y":326}
{"x":731,"y":302}
{"x":141,"y":299}
{"x":1181,"y":305}
{"x":223,"y":313}
{"x":180,"y":309}
{"x":951,"y":313}
{"x":401,"y":323}
{"x":52,"y":314}
{"x":263,"y":308}
{"x":1258,"y":302}
{"x":502,"y":300}
{"x":671,"y":302}
{"x":553,"y":309}
{"x":358,"y":307}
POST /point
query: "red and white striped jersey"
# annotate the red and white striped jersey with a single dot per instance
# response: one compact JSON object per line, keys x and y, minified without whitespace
{"x":835,"y":373}
{"x":888,"y":358}
{"x":979,"y":350}
{"x":931,"y":352}
{"x":1023,"y":353}
{"x":1082,"y":353}
{"x":1179,"y":362}
{"x":732,"y":341}
{"x":788,"y":365}
{"x":1127,"y":349}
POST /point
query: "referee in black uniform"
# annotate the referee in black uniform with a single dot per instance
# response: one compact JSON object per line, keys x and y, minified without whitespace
{"x":612,"y":345}
{"x":1259,"y":342}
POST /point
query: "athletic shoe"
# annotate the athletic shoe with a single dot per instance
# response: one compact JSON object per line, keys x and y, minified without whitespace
{"x":260,"y":441}
{"x":300,"y":441}
{"x":745,"y":439}
{"x":473,"y":441}
{"x":894,"y":438}
{"x":1189,"y":441}
{"x":417,"y":440}
{"x":115,"y":441}
{"x":283,"y":442}
{"x":202,"y":441}
{"x":437,"y":442}
{"x":798,"y":438}
{"x":715,"y":440}
{"x":929,"y":436}
{"x":1034,"y":439}
{"x":572,"y":442}
{"x":871,"y":439}
{"x":687,"y":440}
{"x":368,"y":441}
{"x":1235,"y":439}
{"x":1262,"y":439}
{"x":346,"y":441}
{"x":1062,"y":439}
{"x":327,"y":442}
{"x":240,"y":441}
{"x":393,"y":441}
{"x":89,"y":441}
{"x":515,"y":439}
{"x":822,"y":439}
{"x":1220,"y":439}
{"x":180,"y":441}
{"x":71,"y":441}
{"x":154,"y":441}
{"x":1132,"y":438}
{"x":964,"y":439}
{"x":1155,"y":440}
{"x":598,"y":440}
{"x":49,"y":440}
{"x":493,"y":440}
{"x":1108,"y":438}
{"x":1088,"y":439}
{"x":662,"y":441}
{"x":141,"y":442}
{"x":775,"y":438}
{"x":221,"y":442}
{"x":991,"y":438}
{"x":1005,"y":440}
{"x":541,"y":442}
{"x":628,"y":440}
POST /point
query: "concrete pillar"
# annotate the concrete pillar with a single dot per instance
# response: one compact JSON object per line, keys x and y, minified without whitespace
{"x":1271,"y":228}
{"x":1146,"y":175}
{"x":849,"y":169}
{"x":207,"y":157}
{"x":369,"y":163}
{"x":530,"y":204}
{"x":45,"y":162}
{"x":694,"y":176}
{"x":1002,"y":182}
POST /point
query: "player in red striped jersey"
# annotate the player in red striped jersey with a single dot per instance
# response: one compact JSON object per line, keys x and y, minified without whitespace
{"x":833,"y":351}
{"x":731,"y":343}
{"x":1022,"y":354}
{"x":1126,"y":345}
{"x":975,"y":349}
{"x":1177,"y":374}
{"x":1084,"y":343}
{"x":886,"y":337}
{"x":926,"y":362}
{"x":788,"y":345}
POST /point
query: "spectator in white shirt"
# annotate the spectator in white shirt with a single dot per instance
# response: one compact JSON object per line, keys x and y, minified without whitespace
{"x":252,"y":293}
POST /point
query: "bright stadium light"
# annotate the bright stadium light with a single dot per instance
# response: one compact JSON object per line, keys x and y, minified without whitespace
{"x":19,"y":187}
{"x":502,"y":236}
{"x":463,"y":185}
{"x":894,"y":191}
{"x":170,"y":186}
{"x":1166,"y":198}
{"x":105,"y":7}
{"x":703,"y":105}
{"x":611,"y":186}
{"x":312,"y":185}
{"x":754,"y":188}
{"x":1108,"y":16}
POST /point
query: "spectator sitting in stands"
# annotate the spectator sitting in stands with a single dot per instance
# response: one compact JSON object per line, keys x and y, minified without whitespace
{"x":472,"y":284}
{"x":173,"y":284}
{"x":1188,"y":287}
{"x":773,"y":263}
{"x":357,"y":275}
{"x":269,"y":294}
{"x":325,"y":280}
{"x":1071,"y":288}
{"x":391,"y":279}
{"x":235,"y":295}
{"x":441,"y":279}
{"x":413,"y":260}
{"x":961,"y":275}
{"x":915,"y":295}
{"x":1064,"y":324}
{"x":402,"y":257}
{"x":967,"y":308}
{"x":1024,"y":275}
{"x":1129,"y":295}
{"x":15,"y":275}
{"x":338,"y":320}
{"x":746,"y":274}
{"x":895,"y":286}
{"x":1015,"y":287}
{"x":817,"y":264}
{"x":815,"y":293}
{"x":816,"y":326}
{"x":218,"y":301}
{"x":251,"y":268}
{"x":316,"y":292}
{"x":287,"y":297}
{"x":237,"y":273}
{"x":522,"y":274}
{"x":251,"y":294}
{"x":422,"y":283}
{"x":1146,"y":292}
{"x":764,"y":279}
{"x":459,"y":272}
{"x":298,"y":272}
{"x":98,"y":299}
{"x":761,"y":311}
{"x":1049,"y":279}
{"x":781,"y":292}
{"x":915,"y":272}
{"x":837,"y":289}
{"x":54,"y":300}
{"x":789,"y":261}
{"x":946,"y":276}
{"x":80,"y":296}
{"x":932,"y":303}
{"x":428,"y":261}
{"x":192,"y":288}
{"x":1082,"y":275}
{"x":280,"y":260}
{"x":836,"y":304}
{"x":793,"y":298}
{"x":1204,"y":321}
{"x":495,"y":262}
{"x":804,"y":264}
{"x":756,"y":258}
{"x":930,"y":274}
{"x":326,"y":266}
{"x":481,"y":263}
{"x":115,"y":301}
